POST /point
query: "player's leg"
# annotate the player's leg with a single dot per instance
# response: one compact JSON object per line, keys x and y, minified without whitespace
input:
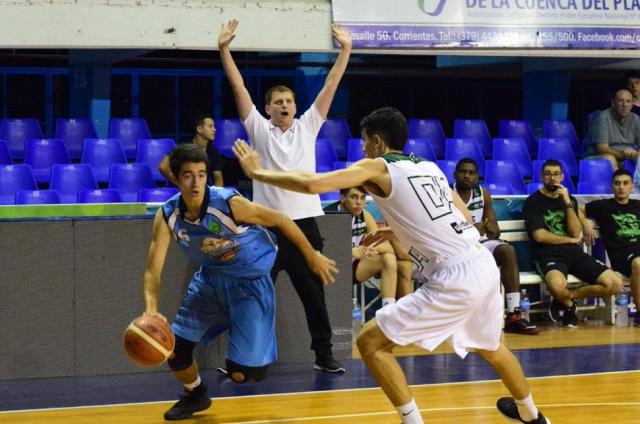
{"x":386,"y":265}
{"x":405,"y":270}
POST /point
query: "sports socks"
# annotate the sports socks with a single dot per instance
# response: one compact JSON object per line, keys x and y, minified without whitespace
{"x":193,"y":385}
{"x":513,"y":301}
{"x":526,"y":408}
{"x":410,"y":413}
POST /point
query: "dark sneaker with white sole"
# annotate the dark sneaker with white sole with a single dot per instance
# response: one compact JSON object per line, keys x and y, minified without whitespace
{"x":570,"y":317}
{"x":516,"y":323}
{"x":507,"y":407}
{"x":327,"y":363}
{"x":194,"y":401}
{"x":556,"y":310}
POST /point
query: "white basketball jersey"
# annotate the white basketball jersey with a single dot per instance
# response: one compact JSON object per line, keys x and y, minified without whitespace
{"x":421,"y":213}
{"x":475,"y":203}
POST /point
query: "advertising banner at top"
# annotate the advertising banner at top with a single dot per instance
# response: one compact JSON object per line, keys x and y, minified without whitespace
{"x":548,"y":24}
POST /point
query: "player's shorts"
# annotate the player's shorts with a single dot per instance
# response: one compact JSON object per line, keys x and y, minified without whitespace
{"x":245,"y":307}
{"x":622,"y":261}
{"x":491,"y":244}
{"x":582,"y":265}
{"x":460,"y":303}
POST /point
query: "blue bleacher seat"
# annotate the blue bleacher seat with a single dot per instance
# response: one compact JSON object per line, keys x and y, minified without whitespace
{"x":37,"y":197}
{"x":505,"y":172}
{"x":563,"y":129}
{"x":101,"y":153}
{"x":537,"y":178}
{"x":474,"y":128}
{"x":514,"y":128}
{"x":432,"y":130}
{"x":151,"y":151}
{"x":42,"y":153}
{"x":129,"y":178}
{"x":458,"y":148}
{"x":67,"y":180}
{"x":559,"y":149}
{"x":104,"y":195}
{"x":596,"y":171}
{"x":227,"y":132}
{"x":513,"y":149}
{"x":5,"y":155}
{"x":156,"y":194}
{"x":497,"y":189}
{"x":325,"y":155}
{"x":594,"y":187}
{"x":16,"y":132}
{"x":354,"y":150}
{"x":629,"y":166}
{"x":448,"y":167}
{"x":420,"y":147}
{"x":73,"y":132}
{"x":332,"y":195}
{"x":533,"y":187}
{"x":14,"y":178}
{"x":337,"y":130}
{"x":129,"y":131}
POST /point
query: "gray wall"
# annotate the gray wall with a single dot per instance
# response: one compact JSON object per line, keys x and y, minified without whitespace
{"x":69,"y":288}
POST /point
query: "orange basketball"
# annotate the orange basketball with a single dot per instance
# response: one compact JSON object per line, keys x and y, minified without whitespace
{"x":148,"y":341}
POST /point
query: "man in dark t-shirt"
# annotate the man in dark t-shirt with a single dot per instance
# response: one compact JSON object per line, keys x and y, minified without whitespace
{"x":554,"y":229}
{"x":619,"y":222}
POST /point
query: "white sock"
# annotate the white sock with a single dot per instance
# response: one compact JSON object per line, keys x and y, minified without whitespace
{"x":193,"y":385}
{"x":526,"y":408}
{"x":410,"y":413}
{"x":388,"y":301}
{"x":513,"y":301}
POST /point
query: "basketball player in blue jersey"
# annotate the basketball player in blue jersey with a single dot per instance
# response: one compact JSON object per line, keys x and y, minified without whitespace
{"x":460,"y":301}
{"x":223,"y":232}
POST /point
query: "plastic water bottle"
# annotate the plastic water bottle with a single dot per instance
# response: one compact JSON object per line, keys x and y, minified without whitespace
{"x":525,"y":304}
{"x":356,"y":318}
{"x":622,"y":309}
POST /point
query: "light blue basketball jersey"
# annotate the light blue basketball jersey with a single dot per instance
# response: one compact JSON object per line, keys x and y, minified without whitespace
{"x":216,"y":242}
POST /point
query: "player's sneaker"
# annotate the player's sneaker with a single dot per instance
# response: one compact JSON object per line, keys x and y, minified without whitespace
{"x":507,"y":407}
{"x":556,"y":310}
{"x":327,"y":363}
{"x":570,"y":317}
{"x":194,"y":401}
{"x":516,"y":323}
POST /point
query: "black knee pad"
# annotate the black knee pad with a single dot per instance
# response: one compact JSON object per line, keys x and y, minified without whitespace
{"x":241,"y":374}
{"x":182,"y":354}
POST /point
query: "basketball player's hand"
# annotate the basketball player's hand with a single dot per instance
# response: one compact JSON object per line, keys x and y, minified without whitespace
{"x":374,"y":239}
{"x":576,"y":240}
{"x":155,"y":314}
{"x":248,"y":158}
{"x":227,"y":33}
{"x":363,"y":252}
{"x":342,"y":36}
{"x":323,"y":267}
{"x":588,"y":233}
{"x":562,"y":192}
{"x":491,"y":228}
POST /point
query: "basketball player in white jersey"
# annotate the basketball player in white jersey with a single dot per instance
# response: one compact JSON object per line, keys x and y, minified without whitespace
{"x":461,"y":301}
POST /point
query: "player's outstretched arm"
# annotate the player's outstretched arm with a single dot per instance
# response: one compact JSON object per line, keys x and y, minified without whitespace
{"x":328,"y":91}
{"x":253,"y":213}
{"x":155,"y":263}
{"x":240,"y":92}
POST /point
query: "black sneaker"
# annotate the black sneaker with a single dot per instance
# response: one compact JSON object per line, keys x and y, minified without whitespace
{"x":570,"y":317}
{"x":194,"y":401}
{"x":516,"y":323}
{"x":556,"y":310}
{"x":327,"y":363}
{"x":507,"y":407}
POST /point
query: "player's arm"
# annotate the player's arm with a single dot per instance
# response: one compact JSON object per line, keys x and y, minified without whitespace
{"x":489,"y":216}
{"x":246,"y":211}
{"x":588,"y":231}
{"x":372,"y":227}
{"x":155,"y":263}
{"x":328,"y":91}
{"x":166,"y":170}
{"x":240,"y":92}
{"x":535,"y":225}
{"x":458,"y":203}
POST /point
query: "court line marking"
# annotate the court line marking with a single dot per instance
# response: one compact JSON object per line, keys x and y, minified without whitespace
{"x":359,"y":389}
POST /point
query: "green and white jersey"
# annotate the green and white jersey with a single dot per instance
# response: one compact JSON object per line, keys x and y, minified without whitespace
{"x":475,"y":203}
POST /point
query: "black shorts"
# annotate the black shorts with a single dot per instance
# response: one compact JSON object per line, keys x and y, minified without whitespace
{"x":582,"y":265}
{"x":622,"y":261}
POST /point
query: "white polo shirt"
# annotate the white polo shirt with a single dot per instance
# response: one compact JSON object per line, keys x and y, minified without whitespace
{"x":293,"y":150}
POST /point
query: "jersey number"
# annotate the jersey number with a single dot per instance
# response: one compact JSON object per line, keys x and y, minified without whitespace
{"x":434,"y":195}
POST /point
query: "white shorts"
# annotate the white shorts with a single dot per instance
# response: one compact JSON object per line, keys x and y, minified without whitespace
{"x":491,"y":244}
{"x":461,"y":303}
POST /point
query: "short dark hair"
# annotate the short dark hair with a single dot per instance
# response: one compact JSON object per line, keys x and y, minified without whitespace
{"x":345,"y":191}
{"x":621,"y":171}
{"x":199,"y":120}
{"x":631,"y":74}
{"x":277,"y":89}
{"x":184,"y":153}
{"x":465,"y":161}
{"x":389,"y":124}
{"x":551,"y":162}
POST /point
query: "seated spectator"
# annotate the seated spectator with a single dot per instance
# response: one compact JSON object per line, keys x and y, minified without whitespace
{"x":387,"y":258}
{"x":619,"y":222}
{"x":551,"y":218}
{"x":615,"y":132}
{"x":480,"y":205}
{"x":632,"y":81}
{"x":205,"y":133}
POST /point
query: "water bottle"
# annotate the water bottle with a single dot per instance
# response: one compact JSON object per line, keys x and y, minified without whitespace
{"x":622,"y":309}
{"x":356,"y":318}
{"x":525,"y":305}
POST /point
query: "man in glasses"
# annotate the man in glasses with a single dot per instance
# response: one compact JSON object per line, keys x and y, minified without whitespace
{"x":554,"y":229}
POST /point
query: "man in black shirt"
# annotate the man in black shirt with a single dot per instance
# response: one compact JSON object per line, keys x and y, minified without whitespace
{"x":551,"y":218}
{"x":619,"y":222}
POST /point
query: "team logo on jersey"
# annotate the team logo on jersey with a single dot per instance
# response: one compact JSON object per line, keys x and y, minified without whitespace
{"x":214,"y":227}
{"x":554,"y":220}
{"x":220,"y":249}
{"x":628,"y":226}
